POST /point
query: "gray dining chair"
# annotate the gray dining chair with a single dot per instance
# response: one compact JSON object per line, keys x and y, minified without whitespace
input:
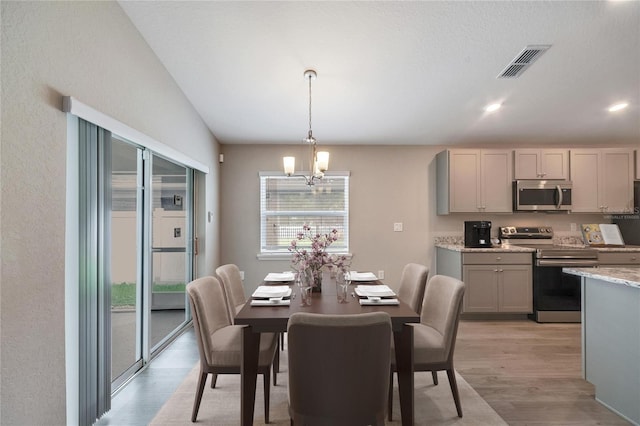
{"x":219,"y":342}
{"x":434,"y":338}
{"x":412,"y":284}
{"x":338,"y":368}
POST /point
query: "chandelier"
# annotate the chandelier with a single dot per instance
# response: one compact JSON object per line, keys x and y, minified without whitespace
{"x":318,"y":160}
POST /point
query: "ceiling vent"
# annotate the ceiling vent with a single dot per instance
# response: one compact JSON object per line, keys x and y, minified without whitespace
{"x":523,"y":60}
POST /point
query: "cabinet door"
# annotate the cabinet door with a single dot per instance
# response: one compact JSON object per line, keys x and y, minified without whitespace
{"x":637,"y":165}
{"x":481,"y":288}
{"x":464,"y":181}
{"x":527,"y":164}
{"x":617,"y":181}
{"x":515,"y":290}
{"x":554,"y":164}
{"x":496,"y":172}
{"x":585,"y":175}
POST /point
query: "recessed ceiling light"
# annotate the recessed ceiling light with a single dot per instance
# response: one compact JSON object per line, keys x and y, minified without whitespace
{"x":492,"y":107}
{"x":618,"y":106}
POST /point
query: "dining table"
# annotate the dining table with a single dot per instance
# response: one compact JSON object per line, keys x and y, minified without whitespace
{"x":274,"y":319}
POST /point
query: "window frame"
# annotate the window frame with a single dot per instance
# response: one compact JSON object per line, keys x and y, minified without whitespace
{"x":283,"y":252}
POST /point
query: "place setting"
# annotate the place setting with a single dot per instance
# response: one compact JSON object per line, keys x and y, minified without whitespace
{"x":279,"y":277}
{"x":272,"y":295}
{"x":378,"y":294}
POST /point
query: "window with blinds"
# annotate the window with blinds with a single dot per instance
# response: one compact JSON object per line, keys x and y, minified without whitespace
{"x":287,"y":203}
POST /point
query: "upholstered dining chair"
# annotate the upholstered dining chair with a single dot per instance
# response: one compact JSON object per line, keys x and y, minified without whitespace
{"x":434,"y":338}
{"x":412,"y":284}
{"x":236,"y":298}
{"x":219,"y":342}
{"x":338,"y":368}
{"x":232,"y":281}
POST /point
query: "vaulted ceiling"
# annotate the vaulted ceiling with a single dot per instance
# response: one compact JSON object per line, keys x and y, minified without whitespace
{"x":410,"y":73}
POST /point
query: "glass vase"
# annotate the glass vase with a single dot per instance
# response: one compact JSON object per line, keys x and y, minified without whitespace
{"x":317,"y":280}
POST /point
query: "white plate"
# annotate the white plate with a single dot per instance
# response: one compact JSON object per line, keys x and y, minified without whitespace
{"x":363,"y":276}
{"x":265,"y":292}
{"x":374,"y":290}
{"x":379,"y":302}
{"x":268,"y":302}
{"x":279,"y":277}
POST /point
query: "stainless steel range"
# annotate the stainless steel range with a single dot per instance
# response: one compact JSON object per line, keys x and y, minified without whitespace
{"x":556,"y":296}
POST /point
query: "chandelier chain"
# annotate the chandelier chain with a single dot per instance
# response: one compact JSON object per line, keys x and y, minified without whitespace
{"x":310,"y":78}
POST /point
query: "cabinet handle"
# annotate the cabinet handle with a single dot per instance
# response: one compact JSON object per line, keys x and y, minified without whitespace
{"x":498,"y":258}
{"x":495,"y":270}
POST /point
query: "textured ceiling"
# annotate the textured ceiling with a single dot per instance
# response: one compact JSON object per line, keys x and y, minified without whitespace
{"x":402,"y":72}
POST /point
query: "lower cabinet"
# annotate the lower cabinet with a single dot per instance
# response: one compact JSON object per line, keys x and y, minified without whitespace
{"x":611,"y":259}
{"x":500,"y":282}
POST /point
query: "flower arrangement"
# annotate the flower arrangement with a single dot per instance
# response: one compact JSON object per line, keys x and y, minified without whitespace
{"x":316,"y":257}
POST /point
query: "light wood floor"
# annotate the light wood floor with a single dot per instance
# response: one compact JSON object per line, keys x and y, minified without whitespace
{"x":529,"y":373}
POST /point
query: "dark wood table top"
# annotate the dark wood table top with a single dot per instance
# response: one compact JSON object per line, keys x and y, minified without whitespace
{"x":275,"y":318}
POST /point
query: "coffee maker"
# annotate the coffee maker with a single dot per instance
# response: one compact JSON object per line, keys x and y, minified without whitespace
{"x":477,"y":233}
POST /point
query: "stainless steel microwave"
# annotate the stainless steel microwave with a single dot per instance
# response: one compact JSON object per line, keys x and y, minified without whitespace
{"x":542,"y":195}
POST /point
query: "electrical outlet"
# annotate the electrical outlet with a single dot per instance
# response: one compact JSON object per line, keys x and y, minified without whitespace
{"x":242,"y":275}
{"x":397,"y":227}
{"x":380,"y":275}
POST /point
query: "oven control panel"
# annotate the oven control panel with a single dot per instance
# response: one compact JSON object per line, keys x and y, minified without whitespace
{"x":528,"y":232}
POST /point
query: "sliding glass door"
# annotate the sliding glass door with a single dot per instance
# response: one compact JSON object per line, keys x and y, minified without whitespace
{"x":126,"y":254}
{"x":171,"y":261}
{"x":151,"y":260}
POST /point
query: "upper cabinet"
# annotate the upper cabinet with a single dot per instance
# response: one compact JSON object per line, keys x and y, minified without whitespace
{"x":474,"y":180}
{"x":637,"y":165}
{"x":602,"y":180}
{"x":541,"y":164}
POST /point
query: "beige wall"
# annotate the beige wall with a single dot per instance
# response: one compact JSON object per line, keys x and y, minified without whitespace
{"x":91,"y":51}
{"x":388,"y":184}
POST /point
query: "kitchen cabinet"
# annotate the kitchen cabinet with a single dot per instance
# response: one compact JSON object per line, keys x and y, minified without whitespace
{"x":474,"y":180}
{"x":541,"y":164}
{"x":500,"y":282}
{"x":602,"y":180}
{"x":612,"y":259}
{"x":637,"y":165}
{"x":495,"y":282}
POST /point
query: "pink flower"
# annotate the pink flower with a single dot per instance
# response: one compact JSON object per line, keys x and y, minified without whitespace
{"x":316,"y":258}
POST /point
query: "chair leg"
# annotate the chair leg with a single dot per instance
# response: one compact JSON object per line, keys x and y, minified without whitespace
{"x":277,"y":363}
{"x":454,"y":390}
{"x":214,"y":380}
{"x":390,"y":397}
{"x":281,"y":342}
{"x":434,"y":374}
{"x":275,"y":375}
{"x":202,"y":380}
{"x":265,"y":379}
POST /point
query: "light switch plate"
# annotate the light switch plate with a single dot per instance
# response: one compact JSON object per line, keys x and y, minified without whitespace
{"x":397,"y":227}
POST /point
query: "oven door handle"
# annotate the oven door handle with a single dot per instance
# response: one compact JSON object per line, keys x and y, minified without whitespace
{"x":559,"y":197}
{"x":567,"y":263}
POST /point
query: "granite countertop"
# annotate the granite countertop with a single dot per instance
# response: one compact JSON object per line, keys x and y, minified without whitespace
{"x":498,"y":248}
{"x":618,"y":248}
{"x":625,"y":276}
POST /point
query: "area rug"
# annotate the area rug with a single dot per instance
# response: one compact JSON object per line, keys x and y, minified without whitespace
{"x":221,"y":406}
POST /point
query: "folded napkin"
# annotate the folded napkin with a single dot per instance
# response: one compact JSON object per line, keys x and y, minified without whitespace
{"x":378,"y":301}
{"x":271,"y":302}
{"x":374,"y":290}
{"x":279,"y":277}
{"x":363,"y":276}
{"x":266,"y":292}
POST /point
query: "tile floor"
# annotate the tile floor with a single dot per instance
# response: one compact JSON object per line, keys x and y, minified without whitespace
{"x":139,"y":401}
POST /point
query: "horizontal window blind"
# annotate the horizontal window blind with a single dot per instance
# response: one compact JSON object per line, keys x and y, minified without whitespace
{"x":287,"y":203}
